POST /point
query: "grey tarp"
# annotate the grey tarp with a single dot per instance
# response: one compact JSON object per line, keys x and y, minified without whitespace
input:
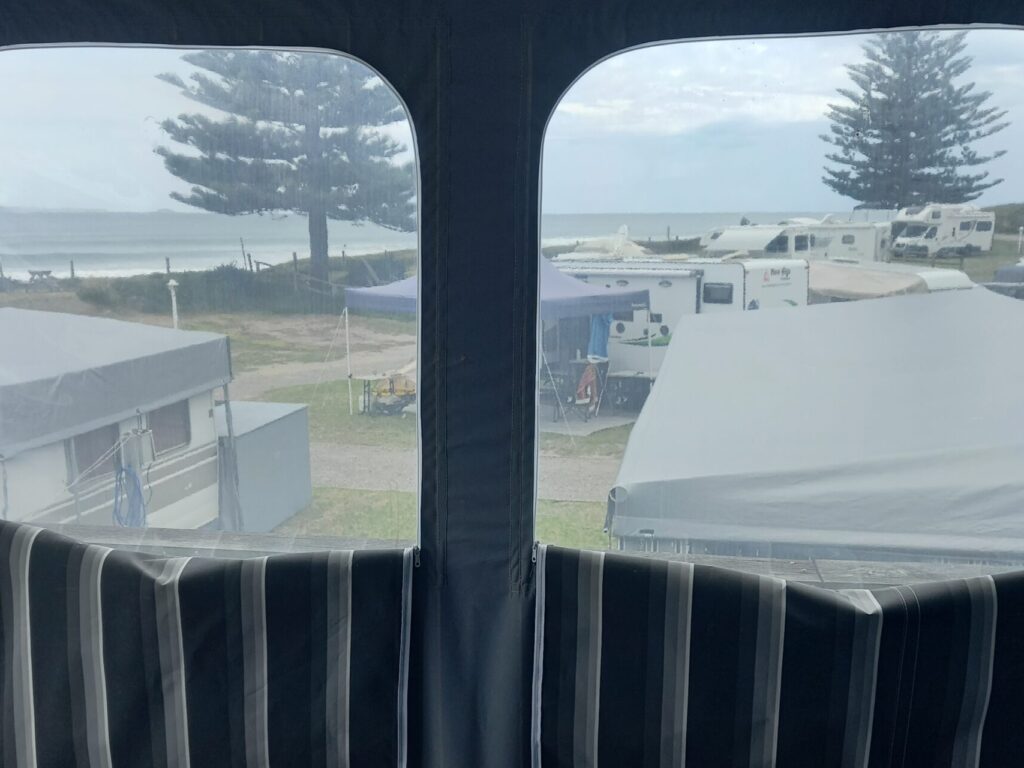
{"x":888,"y":423}
{"x":835,"y":280}
{"x":61,"y":375}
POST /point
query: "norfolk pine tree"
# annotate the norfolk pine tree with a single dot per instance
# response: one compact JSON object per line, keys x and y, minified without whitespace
{"x":297,"y":135}
{"x":906,"y":135}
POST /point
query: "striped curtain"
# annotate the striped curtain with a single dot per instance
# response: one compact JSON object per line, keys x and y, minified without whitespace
{"x":112,"y":658}
{"x":643,"y":662}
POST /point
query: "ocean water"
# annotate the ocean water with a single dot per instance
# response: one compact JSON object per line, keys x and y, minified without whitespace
{"x":108,"y":244}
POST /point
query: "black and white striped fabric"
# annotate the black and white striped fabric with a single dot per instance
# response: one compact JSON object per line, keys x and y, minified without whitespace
{"x":111,"y":659}
{"x":642,"y":662}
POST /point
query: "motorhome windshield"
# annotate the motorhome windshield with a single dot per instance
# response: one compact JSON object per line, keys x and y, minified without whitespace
{"x":914,"y":230}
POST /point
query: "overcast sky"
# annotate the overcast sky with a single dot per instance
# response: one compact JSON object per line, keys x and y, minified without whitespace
{"x":687,"y":127}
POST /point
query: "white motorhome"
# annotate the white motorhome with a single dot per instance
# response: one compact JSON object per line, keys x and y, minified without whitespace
{"x":686,"y":286}
{"x":933,"y":230}
{"x":759,"y":240}
{"x":852,"y":241}
{"x":803,"y":238}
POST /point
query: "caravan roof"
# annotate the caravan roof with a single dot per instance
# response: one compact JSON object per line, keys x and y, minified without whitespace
{"x":813,"y":428}
{"x":66,"y":374}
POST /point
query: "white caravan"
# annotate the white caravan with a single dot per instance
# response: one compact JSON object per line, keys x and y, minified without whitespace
{"x":681,"y":287}
{"x":935,"y":230}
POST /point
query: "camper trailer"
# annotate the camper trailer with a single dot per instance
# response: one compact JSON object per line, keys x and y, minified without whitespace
{"x":121,"y":432}
{"x":934,"y":230}
{"x":681,"y":287}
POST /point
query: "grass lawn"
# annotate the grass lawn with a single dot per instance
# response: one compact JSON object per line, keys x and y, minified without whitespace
{"x":356,"y":514}
{"x":982,"y":267}
{"x":249,"y":349}
{"x":606,"y":442}
{"x":391,"y":516}
{"x":329,"y":420}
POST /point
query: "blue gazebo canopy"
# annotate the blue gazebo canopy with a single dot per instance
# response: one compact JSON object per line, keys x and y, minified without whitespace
{"x":561,"y":296}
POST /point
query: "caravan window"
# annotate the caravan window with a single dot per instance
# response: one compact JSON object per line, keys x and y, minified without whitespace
{"x":717,"y":293}
{"x":800,"y":242}
{"x":171,"y":426}
{"x":984,"y":226}
{"x":848,"y":239}
{"x":966,"y":226}
{"x":229,"y":240}
{"x":936,"y":214}
{"x":94,"y":453}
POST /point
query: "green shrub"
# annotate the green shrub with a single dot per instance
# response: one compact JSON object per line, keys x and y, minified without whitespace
{"x":1009,"y":218}
{"x":100,"y":294}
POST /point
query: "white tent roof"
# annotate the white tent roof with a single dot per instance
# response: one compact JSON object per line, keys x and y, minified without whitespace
{"x":890,"y":423}
{"x":61,"y":375}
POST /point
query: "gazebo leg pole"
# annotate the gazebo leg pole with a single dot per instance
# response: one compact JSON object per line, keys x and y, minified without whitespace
{"x":348,"y":361}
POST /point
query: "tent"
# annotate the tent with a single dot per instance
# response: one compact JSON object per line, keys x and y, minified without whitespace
{"x":810,"y":428}
{"x":561,"y":296}
{"x":480,"y":80}
{"x":397,"y":298}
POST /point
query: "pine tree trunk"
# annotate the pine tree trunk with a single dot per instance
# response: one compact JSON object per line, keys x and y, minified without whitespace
{"x":319,"y":266}
{"x":318,"y":263}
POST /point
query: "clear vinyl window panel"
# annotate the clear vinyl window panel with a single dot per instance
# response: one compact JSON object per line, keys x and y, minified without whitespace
{"x":788,"y":352}
{"x":208,"y":298}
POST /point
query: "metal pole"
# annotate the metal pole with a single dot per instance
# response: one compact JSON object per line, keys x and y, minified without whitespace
{"x":3,"y":483}
{"x":172,"y":284}
{"x":1020,"y":240}
{"x":236,"y":503}
{"x":348,"y":361}
{"x":72,"y":269}
{"x":650,"y":350}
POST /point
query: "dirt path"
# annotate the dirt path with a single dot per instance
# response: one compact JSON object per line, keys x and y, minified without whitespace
{"x":375,"y":468}
{"x":252,"y":384}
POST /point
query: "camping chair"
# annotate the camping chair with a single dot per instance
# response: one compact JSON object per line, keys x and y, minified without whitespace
{"x":587,"y":399}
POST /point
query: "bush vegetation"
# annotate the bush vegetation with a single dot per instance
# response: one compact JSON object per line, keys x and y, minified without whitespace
{"x":284,"y":288}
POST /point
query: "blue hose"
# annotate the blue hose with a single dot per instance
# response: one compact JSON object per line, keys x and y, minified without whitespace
{"x":129,"y":499}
